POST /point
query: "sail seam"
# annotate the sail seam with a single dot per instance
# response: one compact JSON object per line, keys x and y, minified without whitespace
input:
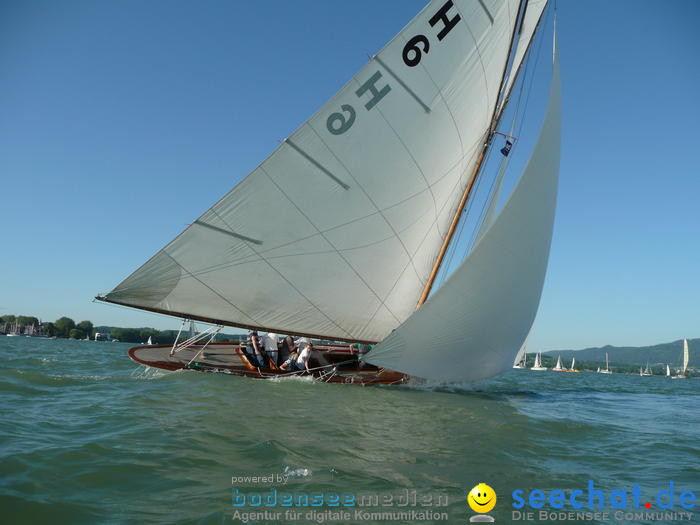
{"x":249,"y":258}
{"x":329,"y":242}
{"x":208,"y":287}
{"x":379,"y":210}
{"x":420,"y":245}
{"x":427,"y":184}
{"x":288,"y":281}
{"x":253,"y":258}
{"x":454,"y":122}
{"x":478,"y":52}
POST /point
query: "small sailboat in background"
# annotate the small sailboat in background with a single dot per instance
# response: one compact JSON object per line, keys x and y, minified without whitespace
{"x":558,"y":367}
{"x":686,"y":358}
{"x":14,"y":331}
{"x":150,"y":341}
{"x":647,"y":371}
{"x":668,"y":371}
{"x":607,"y":366}
{"x":573,"y":366}
{"x":538,"y":363}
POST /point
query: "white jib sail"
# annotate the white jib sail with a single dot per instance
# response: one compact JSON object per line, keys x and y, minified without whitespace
{"x":336,"y":232}
{"x":522,"y":353}
{"x":473,"y":326}
{"x":686,"y":355}
{"x":534,"y":11}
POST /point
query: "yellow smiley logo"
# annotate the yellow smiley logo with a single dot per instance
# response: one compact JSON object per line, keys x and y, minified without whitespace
{"x":482,"y":498}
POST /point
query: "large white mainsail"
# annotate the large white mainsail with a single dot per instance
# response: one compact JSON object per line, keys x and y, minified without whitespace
{"x":486,"y":308}
{"x":336,"y":232}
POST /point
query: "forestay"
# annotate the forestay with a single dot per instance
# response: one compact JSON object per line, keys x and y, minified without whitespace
{"x":473,"y":326}
{"x":335,"y":233}
{"x":531,"y":19}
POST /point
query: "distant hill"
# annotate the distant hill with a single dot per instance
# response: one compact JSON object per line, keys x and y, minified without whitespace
{"x":671,"y":353}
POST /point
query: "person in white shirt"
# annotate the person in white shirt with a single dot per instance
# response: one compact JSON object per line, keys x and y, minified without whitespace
{"x":302,"y":362}
{"x":299,"y":361}
{"x":270,"y":344}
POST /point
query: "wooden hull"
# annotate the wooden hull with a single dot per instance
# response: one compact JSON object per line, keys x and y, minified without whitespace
{"x":328,"y":363}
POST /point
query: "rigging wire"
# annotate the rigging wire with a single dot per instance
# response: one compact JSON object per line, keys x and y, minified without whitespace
{"x":446,"y":269}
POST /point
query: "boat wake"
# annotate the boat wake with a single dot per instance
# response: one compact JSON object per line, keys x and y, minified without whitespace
{"x":293,"y":378}
{"x":480,"y":388}
{"x":149,"y":372}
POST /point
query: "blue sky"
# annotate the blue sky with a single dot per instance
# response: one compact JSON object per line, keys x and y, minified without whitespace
{"x":123,"y":121}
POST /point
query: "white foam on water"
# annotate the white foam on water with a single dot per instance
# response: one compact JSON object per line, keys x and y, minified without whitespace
{"x":148,"y":372}
{"x":295,"y":378}
{"x":296,"y":473}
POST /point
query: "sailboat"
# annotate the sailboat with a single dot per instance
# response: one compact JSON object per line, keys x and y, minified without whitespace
{"x":668,"y":371}
{"x":607,"y":366}
{"x":537,"y":366}
{"x":558,"y":367}
{"x":647,"y":371}
{"x":150,"y":341}
{"x":686,"y":358}
{"x":361,"y":206}
{"x":14,"y":331}
{"x":573,"y":366}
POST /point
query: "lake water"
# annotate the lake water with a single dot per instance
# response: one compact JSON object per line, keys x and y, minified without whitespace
{"x":88,"y":436}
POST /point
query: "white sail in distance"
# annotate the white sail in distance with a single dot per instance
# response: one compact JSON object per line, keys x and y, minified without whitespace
{"x":686,"y":356}
{"x":335,"y":233}
{"x":484,"y":311}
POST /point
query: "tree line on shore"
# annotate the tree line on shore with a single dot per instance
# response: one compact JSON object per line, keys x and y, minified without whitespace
{"x":67,"y":328}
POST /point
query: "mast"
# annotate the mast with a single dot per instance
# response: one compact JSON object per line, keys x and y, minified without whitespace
{"x":472,"y":179}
